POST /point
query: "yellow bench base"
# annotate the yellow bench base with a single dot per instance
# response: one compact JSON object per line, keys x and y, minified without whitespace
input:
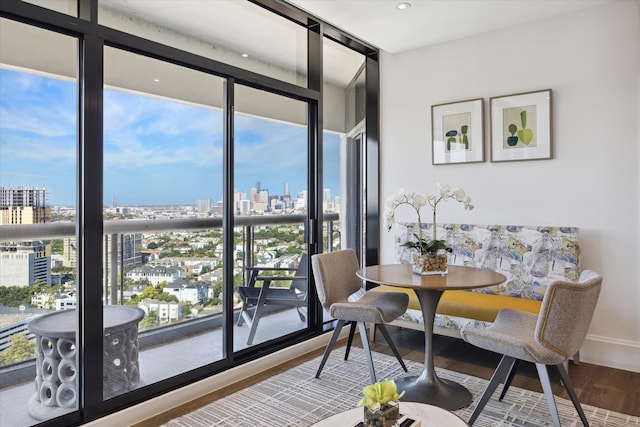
{"x":471,"y":305}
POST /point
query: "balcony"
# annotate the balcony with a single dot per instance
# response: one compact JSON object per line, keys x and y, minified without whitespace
{"x":197,"y":340}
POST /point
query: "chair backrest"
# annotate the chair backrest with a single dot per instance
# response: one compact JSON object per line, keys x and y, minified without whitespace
{"x":335,"y":275}
{"x":566,"y":312}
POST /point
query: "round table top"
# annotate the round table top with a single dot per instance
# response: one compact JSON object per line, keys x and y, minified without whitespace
{"x":428,"y":415}
{"x":458,"y":277}
{"x":63,"y":323}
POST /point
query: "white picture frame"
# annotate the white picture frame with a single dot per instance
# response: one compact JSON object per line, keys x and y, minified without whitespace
{"x":457,"y":134}
{"x":521,"y":126}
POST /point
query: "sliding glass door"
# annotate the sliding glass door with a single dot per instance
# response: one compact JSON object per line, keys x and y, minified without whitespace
{"x":161,"y":166}
{"x":163,"y":246}
{"x":271,"y":158}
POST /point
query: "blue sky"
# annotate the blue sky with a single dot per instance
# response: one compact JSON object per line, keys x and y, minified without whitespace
{"x":155,"y":152}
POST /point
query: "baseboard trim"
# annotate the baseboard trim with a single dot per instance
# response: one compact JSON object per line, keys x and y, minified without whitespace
{"x":611,"y":352}
{"x":166,"y":402}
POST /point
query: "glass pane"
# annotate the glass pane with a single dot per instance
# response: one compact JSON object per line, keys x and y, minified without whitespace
{"x":163,"y":264}
{"x":342,"y":148}
{"x":234,"y":32}
{"x":38,"y":122}
{"x":333,"y":145}
{"x":271,"y":206}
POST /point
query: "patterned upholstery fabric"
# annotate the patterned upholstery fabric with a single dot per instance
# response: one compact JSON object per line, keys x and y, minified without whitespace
{"x":530,"y":257}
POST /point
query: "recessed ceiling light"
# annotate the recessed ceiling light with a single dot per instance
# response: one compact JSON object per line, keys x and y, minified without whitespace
{"x":245,"y":55}
{"x":156,"y":80}
{"x":403,"y":5}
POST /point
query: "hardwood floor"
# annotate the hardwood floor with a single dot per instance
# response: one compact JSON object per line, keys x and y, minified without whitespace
{"x":607,"y":388}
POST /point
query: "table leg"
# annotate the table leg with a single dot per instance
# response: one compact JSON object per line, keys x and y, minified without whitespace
{"x":428,"y":387}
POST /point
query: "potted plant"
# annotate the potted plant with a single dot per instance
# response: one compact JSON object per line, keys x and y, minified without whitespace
{"x":380,"y":403}
{"x":430,"y":253}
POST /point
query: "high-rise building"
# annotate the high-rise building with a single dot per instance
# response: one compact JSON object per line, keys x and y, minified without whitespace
{"x":24,"y":205}
{"x":24,"y":263}
{"x":69,"y":252}
{"x":204,"y":205}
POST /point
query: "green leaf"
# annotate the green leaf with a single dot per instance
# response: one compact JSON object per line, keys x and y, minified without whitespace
{"x":523,"y":119}
{"x":526,"y":136}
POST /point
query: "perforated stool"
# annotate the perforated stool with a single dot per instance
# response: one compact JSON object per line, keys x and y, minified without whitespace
{"x":56,"y":370}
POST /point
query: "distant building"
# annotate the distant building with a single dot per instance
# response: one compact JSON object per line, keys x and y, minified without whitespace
{"x":24,"y":263}
{"x":129,"y":252}
{"x":65,"y":300}
{"x":194,"y":293}
{"x":155,"y":275}
{"x":204,"y":205}
{"x":168,"y":311}
{"x":24,"y":205}
{"x":69,"y":253}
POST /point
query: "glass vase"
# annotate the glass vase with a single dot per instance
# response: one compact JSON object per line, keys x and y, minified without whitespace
{"x":430,"y":264}
{"x":386,"y":417}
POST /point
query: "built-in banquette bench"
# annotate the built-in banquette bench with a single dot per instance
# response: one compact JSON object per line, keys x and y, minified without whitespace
{"x":530,"y":258}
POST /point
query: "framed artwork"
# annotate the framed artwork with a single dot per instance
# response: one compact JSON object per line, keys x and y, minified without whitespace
{"x":521,"y":126}
{"x":456,"y":132}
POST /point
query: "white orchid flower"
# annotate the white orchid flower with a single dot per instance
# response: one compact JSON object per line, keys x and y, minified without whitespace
{"x":417,"y":202}
{"x":459,"y":194}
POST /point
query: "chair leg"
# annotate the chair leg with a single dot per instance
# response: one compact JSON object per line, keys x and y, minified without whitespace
{"x":507,"y":382}
{"x":352,"y":332}
{"x":254,"y":323}
{"x":257,"y":311}
{"x":362,"y":328}
{"x":496,"y":379}
{"x":574,"y":398}
{"x":243,"y":316}
{"x":332,"y":342}
{"x":387,"y":337}
{"x":543,"y":373}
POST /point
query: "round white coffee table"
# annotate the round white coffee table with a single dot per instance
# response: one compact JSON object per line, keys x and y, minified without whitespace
{"x":428,"y":415}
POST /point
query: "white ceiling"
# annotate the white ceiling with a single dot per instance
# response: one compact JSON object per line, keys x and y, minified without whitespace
{"x":428,"y":22}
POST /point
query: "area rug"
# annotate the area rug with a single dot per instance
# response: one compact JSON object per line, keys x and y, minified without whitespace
{"x":295,"y":398}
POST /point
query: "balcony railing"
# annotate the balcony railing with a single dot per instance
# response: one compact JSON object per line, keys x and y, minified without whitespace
{"x":114,"y":229}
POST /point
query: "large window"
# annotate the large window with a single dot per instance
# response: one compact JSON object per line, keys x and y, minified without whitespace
{"x":163,"y":144}
{"x":38,"y":140}
{"x":150,"y":160}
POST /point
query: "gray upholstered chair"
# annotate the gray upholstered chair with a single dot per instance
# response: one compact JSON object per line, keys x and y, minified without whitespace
{"x":336,"y":281}
{"x":547,"y":339}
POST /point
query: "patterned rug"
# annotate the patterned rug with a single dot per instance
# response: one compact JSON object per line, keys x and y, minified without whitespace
{"x":296,"y":398}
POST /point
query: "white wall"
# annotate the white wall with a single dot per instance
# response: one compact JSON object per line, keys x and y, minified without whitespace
{"x":591,"y":61}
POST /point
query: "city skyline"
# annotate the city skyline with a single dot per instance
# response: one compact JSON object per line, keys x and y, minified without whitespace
{"x":156,"y":151}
